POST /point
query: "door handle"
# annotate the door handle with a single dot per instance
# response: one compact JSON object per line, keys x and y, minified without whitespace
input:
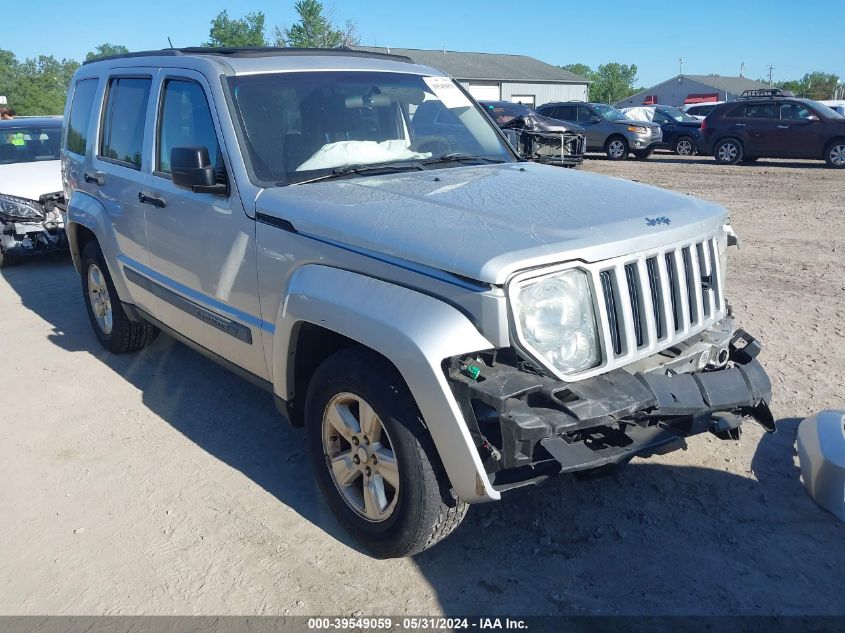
{"x":155,"y":201}
{"x":740,"y":125}
{"x":95,"y":178}
{"x":783,"y":127}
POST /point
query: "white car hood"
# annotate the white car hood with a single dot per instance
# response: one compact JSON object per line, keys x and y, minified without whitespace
{"x":487,"y":222}
{"x":31,"y":180}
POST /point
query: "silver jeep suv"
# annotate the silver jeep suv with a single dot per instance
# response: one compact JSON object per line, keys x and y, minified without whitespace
{"x":446,"y":321}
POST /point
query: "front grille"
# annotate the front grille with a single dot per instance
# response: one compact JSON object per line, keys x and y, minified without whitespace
{"x":651,"y":301}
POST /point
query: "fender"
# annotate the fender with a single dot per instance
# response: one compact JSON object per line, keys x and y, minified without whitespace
{"x":85,"y":210}
{"x":414,"y":331}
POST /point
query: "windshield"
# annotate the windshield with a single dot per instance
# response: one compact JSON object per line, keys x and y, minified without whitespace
{"x":301,"y":126}
{"x":609,"y":112}
{"x":28,"y":144}
{"x":678,"y":115}
{"x":503,"y":112}
{"x":827,"y":111}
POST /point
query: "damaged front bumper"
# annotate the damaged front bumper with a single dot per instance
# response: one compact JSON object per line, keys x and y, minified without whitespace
{"x":551,"y":148}
{"x":20,"y":237}
{"x":528,"y":427}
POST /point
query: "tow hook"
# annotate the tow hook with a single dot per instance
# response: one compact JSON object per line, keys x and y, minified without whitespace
{"x":726,"y":426}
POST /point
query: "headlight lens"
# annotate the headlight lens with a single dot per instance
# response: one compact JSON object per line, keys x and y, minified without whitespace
{"x":20,"y":208}
{"x":557,"y":322}
{"x":636,"y":129}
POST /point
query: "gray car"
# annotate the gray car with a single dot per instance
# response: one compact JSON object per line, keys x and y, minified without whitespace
{"x":607,"y":129}
{"x":446,"y":321}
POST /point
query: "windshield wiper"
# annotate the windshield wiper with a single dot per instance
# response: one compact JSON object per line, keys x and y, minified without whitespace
{"x":459,"y":157}
{"x":346,"y":170}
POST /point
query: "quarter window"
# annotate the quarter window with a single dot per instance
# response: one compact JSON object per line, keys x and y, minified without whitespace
{"x":185,"y":121}
{"x":80,"y":113}
{"x":123,"y":122}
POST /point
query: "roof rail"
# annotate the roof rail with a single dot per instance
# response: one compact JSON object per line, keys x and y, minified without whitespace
{"x":252,"y":51}
{"x":765,"y":93}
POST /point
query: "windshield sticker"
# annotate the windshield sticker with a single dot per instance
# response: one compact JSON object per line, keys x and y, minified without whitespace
{"x":448,"y":93}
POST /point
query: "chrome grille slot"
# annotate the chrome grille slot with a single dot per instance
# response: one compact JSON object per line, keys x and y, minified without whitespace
{"x":635,"y":295}
{"x":609,"y":292}
{"x":657,"y":302}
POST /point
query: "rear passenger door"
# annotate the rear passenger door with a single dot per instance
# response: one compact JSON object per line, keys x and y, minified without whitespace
{"x":117,"y":169}
{"x":201,"y":245}
{"x":761,"y":120}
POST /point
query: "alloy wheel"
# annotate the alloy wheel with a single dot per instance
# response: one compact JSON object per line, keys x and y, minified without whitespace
{"x":837,"y":155}
{"x":360,"y":457}
{"x":616,"y":149}
{"x":98,"y":296}
{"x":684,"y":147}
{"x":728,"y":152}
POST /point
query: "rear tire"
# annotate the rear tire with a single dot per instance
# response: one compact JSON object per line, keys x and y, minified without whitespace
{"x":728,"y":151}
{"x":684,"y":146}
{"x":617,"y":148}
{"x":112,"y":326}
{"x":834,"y":154}
{"x":360,"y":418}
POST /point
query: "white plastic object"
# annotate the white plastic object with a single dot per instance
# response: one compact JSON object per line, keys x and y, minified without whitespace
{"x":821,"y":452}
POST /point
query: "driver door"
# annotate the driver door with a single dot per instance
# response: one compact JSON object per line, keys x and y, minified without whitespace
{"x":201,"y":245}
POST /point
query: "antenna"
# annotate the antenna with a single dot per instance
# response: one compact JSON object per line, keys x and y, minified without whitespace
{"x":680,"y":65}
{"x":741,"y":68}
{"x":169,"y":42}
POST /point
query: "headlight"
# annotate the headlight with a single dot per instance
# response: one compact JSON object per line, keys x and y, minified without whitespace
{"x":636,"y":129}
{"x":556,"y":320}
{"x":20,"y":208}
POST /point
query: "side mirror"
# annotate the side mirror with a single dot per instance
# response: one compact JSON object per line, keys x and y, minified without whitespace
{"x":812,"y":117}
{"x":191,"y":169}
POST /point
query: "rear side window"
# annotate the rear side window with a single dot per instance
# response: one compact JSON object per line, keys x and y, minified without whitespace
{"x":123,"y":121}
{"x":755,"y":111}
{"x":565,"y":113}
{"x":185,"y":121}
{"x":80,"y":113}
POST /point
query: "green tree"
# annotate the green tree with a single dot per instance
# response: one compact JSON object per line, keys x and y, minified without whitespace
{"x":579,"y":69}
{"x":236,"y":32}
{"x":35,"y":86}
{"x":814,"y":85}
{"x":315,"y":30}
{"x":613,"y":82}
{"x":104,"y":50}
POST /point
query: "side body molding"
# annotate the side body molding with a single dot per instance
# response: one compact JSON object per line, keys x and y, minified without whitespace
{"x":414,"y":331}
{"x":85,"y":210}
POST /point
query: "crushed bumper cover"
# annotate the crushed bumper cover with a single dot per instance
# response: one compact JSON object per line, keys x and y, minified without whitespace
{"x":20,"y":237}
{"x":530,"y":427}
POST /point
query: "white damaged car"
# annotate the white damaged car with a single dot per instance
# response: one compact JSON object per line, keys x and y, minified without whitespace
{"x":31,"y":197}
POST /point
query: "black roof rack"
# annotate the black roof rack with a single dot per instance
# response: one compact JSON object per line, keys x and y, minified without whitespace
{"x":765,"y":93}
{"x":253,"y":51}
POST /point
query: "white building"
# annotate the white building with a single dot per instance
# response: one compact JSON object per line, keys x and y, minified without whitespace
{"x":684,"y":89}
{"x":497,"y":77}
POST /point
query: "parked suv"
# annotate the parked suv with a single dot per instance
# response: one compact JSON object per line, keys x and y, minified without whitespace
{"x":767,"y":124}
{"x":446,"y":326}
{"x":680,"y":130}
{"x":607,"y":129}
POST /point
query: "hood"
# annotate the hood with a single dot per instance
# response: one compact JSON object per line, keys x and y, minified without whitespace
{"x":31,"y":180}
{"x":538,"y":123}
{"x":487,"y":222}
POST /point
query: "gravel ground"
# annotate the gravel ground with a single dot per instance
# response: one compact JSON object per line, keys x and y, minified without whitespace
{"x":160,"y":484}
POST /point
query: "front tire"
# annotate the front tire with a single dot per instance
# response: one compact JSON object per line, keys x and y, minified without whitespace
{"x":112,"y":326}
{"x":728,"y":151}
{"x":374,"y":461}
{"x":617,"y":148}
{"x":642,"y":154}
{"x":684,"y":146}
{"x":834,"y":154}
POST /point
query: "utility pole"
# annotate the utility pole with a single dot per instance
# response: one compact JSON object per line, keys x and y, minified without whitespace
{"x":741,"y":68}
{"x":680,"y":65}
{"x":771,"y":68}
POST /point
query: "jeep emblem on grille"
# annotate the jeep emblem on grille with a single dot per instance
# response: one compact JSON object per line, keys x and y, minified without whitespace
{"x":658,"y":221}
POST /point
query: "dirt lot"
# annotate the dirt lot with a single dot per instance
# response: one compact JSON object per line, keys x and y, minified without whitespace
{"x":160,"y":484}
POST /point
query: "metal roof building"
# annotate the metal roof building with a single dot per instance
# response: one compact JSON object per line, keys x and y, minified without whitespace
{"x":683,"y":89}
{"x":494,"y":76}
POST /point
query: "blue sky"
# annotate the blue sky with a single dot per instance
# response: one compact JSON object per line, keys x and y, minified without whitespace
{"x":713,"y":36}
